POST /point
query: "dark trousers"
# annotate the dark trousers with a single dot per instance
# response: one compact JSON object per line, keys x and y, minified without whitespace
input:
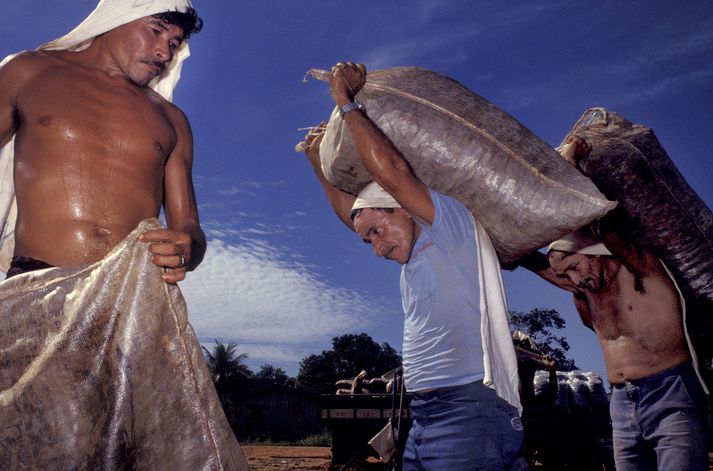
{"x":19,"y":265}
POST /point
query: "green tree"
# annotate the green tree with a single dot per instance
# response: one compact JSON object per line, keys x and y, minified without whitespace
{"x":273,"y":375}
{"x":539,"y":324}
{"x":350,"y":354}
{"x":317,"y":372}
{"x":225,"y":365}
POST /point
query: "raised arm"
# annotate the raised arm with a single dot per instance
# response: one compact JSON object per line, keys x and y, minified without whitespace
{"x":181,"y":247}
{"x":609,"y":229}
{"x":341,"y":201}
{"x":378,"y":154}
{"x":635,"y":258}
{"x":538,"y":263}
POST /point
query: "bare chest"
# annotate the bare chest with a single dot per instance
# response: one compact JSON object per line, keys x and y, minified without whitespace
{"x":77,"y":112}
{"x":643,"y":309}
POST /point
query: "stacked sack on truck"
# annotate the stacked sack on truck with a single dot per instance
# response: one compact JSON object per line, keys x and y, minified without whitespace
{"x":575,"y":389}
{"x":569,"y":427}
{"x":522,"y":192}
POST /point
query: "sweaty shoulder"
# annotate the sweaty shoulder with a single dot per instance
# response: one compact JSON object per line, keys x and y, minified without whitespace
{"x":22,"y":70}
{"x":177,"y":115}
{"x":178,"y":119}
{"x":172,"y":111}
{"x":174,"y":116}
{"x":26,"y":65}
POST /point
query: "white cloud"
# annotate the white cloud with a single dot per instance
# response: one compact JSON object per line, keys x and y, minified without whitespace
{"x":251,"y":188}
{"x":444,"y":27}
{"x":234,"y":190}
{"x":277,"y":310}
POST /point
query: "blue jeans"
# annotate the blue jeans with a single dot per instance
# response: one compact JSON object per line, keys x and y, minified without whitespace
{"x":462,"y":428}
{"x":660,"y":422}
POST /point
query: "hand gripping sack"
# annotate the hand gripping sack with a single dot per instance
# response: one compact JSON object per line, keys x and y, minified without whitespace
{"x":516,"y":185}
{"x":629,"y":165}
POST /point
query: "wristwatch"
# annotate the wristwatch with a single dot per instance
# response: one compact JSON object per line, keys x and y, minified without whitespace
{"x":355,"y":105}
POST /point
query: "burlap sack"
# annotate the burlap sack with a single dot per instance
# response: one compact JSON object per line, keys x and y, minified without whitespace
{"x":662,"y":213}
{"x":516,"y":185}
{"x":99,"y":369}
{"x":629,"y":165}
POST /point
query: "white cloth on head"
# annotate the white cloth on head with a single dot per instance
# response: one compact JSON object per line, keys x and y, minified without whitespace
{"x":110,"y":14}
{"x":107,"y":15}
{"x":373,"y":196}
{"x":579,"y":241}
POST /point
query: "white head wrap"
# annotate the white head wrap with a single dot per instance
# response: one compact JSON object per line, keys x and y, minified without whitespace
{"x":107,"y":15}
{"x":579,"y":242}
{"x":110,"y":14}
{"x":373,"y":196}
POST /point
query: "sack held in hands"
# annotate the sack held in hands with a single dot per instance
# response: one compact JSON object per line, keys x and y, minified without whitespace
{"x":628,"y":164}
{"x":458,"y":143}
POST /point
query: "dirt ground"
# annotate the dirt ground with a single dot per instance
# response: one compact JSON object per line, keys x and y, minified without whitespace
{"x":303,"y":458}
{"x":293,"y":458}
{"x":284,"y":458}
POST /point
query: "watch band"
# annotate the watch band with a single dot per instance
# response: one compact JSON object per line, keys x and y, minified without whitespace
{"x":354,"y":105}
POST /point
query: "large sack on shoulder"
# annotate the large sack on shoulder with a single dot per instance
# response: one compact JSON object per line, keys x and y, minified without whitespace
{"x":629,"y":165}
{"x":458,"y":143}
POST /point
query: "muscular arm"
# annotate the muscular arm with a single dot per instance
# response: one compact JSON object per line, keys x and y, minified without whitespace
{"x":378,"y":154}
{"x":537,"y":263}
{"x":636,"y":259}
{"x":184,"y":236}
{"x":179,"y":196}
{"x":582,"y":306}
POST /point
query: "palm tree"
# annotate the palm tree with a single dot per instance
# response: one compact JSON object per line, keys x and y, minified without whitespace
{"x":225,"y":365}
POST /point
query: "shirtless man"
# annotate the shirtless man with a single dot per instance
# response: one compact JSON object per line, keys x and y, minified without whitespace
{"x":97,"y":150}
{"x":625,"y":294}
{"x":115,"y":382}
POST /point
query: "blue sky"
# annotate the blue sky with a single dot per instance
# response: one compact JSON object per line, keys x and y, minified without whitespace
{"x":282,"y":275}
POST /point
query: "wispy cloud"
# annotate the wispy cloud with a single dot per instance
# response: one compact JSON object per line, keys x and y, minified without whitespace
{"x":449,"y":28}
{"x":249,"y":187}
{"x":276,"y":309}
{"x":670,"y":85}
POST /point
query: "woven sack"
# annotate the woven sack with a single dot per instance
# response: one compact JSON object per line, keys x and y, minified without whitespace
{"x":458,"y":143}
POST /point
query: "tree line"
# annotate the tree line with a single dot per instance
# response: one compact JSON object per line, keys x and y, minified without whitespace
{"x":352,"y":353}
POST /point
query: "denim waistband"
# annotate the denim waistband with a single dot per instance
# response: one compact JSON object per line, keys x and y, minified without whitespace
{"x":685,"y":367}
